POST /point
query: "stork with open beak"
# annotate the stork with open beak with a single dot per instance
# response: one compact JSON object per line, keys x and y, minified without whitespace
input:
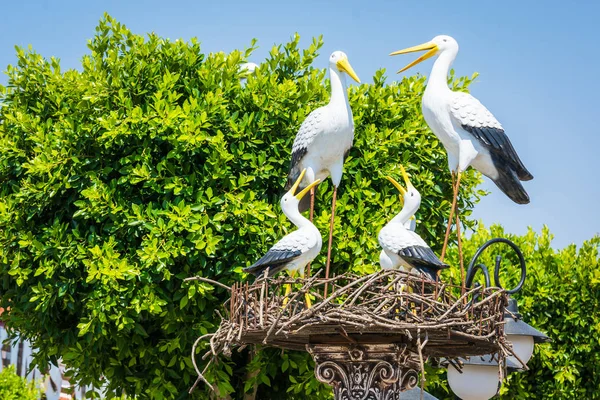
{"x":324,"y":140}
{"x":469,"y":132}
{"x":384,"y":260}
{"x":296,"y":249}
{"x":404,"y":248}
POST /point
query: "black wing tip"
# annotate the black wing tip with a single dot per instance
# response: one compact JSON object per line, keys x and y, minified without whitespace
{"x":509,"y":183}
{"x":295,"y":167}
{"x":526,"y":176}
{"x":436,"y":264}
{"x":249,"y":271}
{"x":292,"y":176}
{"x":422,"y":258}
{"x":256,"y":272}
{"x":443,"y":266}
{"x":258,"y":269}
{"x":255,"y":269}
{"x":516,"y":193}
{"x":274,"y":259}
{"x":430,"y":273}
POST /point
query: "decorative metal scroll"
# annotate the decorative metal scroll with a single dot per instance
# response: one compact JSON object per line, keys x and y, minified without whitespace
{"x":365,"y":372}
{"x":473,"y":267}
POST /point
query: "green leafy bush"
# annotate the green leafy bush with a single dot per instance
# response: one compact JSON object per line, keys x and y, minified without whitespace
{"x":13,"y":387}
{"x":152,"y":164}
{"x":561,"y":298}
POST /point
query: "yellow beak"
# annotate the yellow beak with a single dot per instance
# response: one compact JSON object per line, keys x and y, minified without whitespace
{"x":300,"y":195}
{"x":344,"y":66}
{"x":432,"y":47}
{"x":297,"y":183}
{"x":400,"y":188}
{"x":405,"y":176}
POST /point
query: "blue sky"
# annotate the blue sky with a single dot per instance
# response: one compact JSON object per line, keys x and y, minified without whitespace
{"x":538,"y":65}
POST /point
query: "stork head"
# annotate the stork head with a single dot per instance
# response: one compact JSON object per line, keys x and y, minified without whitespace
{"x":410,"y":196}
{"x":445,"y":43}
{"x":290,"y":200}
{"x":437,"y":45}
{"x":339,"y":61}
{"x":247,"y":69}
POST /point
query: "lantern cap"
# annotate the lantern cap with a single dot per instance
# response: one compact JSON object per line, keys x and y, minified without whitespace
{"x":514,"y":325}
{"x":487,"y":360}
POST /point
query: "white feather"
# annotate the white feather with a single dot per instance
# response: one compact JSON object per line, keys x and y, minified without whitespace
{"x":307,"y":239}
{"x":467,"y":110}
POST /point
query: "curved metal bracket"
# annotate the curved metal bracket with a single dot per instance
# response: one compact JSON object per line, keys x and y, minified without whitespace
{"x":473,"y":268}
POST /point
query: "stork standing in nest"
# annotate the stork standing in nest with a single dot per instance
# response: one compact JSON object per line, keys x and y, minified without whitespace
{"x":295,"y":250}
{"x":324,"y":140}
{"x":384,"y":260}
{"x":403,"y":248}
{"x":469,"y":132}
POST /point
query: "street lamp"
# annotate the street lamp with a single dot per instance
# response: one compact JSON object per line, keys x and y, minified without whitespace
{"x":520,"y":334}
{"x":480,"y":378}
{"x":476,"y":381}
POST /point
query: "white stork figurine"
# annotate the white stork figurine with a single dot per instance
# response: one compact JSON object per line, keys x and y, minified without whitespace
{"x":325,"y":138}
{"x":468,"y":131}
{"x":403,"y":248}
{"x":384,"y":260}
{"x":295,"y":250}
{"x":245,"y":70}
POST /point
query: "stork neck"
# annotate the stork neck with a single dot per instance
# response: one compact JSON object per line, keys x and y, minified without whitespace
{"x":408,"y":210}
{"x":295,"y":217}
{"x":439,"y":72}
{"x":338,"y":87}
{"x":404,"y":215}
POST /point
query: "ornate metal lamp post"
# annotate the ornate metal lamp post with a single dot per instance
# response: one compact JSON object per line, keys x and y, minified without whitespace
{"x":480,"y":379}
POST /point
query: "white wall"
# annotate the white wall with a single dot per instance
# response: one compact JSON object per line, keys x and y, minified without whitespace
{"x":10,"y":353}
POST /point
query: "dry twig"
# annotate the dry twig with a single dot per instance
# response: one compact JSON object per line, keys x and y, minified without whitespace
{"x":359,"y":305}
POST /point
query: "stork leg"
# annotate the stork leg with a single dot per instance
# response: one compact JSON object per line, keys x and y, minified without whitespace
{"x":288,"y":288}
{"x":402,"y":287}
{"x":312,"y":210}
{"x":307,"y":300}
{"x":452,"y":207}
{"x":443,"y":255}
{"x":312,"y":203}
{"x":460,"y":255}
{"x":330,"y":237}
{"x":458,"y":234}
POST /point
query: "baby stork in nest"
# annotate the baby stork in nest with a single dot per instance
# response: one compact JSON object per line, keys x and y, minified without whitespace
{"x":402,"y":247}
{"x":295,"y":250}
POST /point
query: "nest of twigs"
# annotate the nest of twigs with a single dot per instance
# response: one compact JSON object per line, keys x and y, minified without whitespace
{"x":431,"y":319}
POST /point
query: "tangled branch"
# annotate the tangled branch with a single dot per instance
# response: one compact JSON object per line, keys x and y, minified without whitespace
{"x":390,"y":306}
